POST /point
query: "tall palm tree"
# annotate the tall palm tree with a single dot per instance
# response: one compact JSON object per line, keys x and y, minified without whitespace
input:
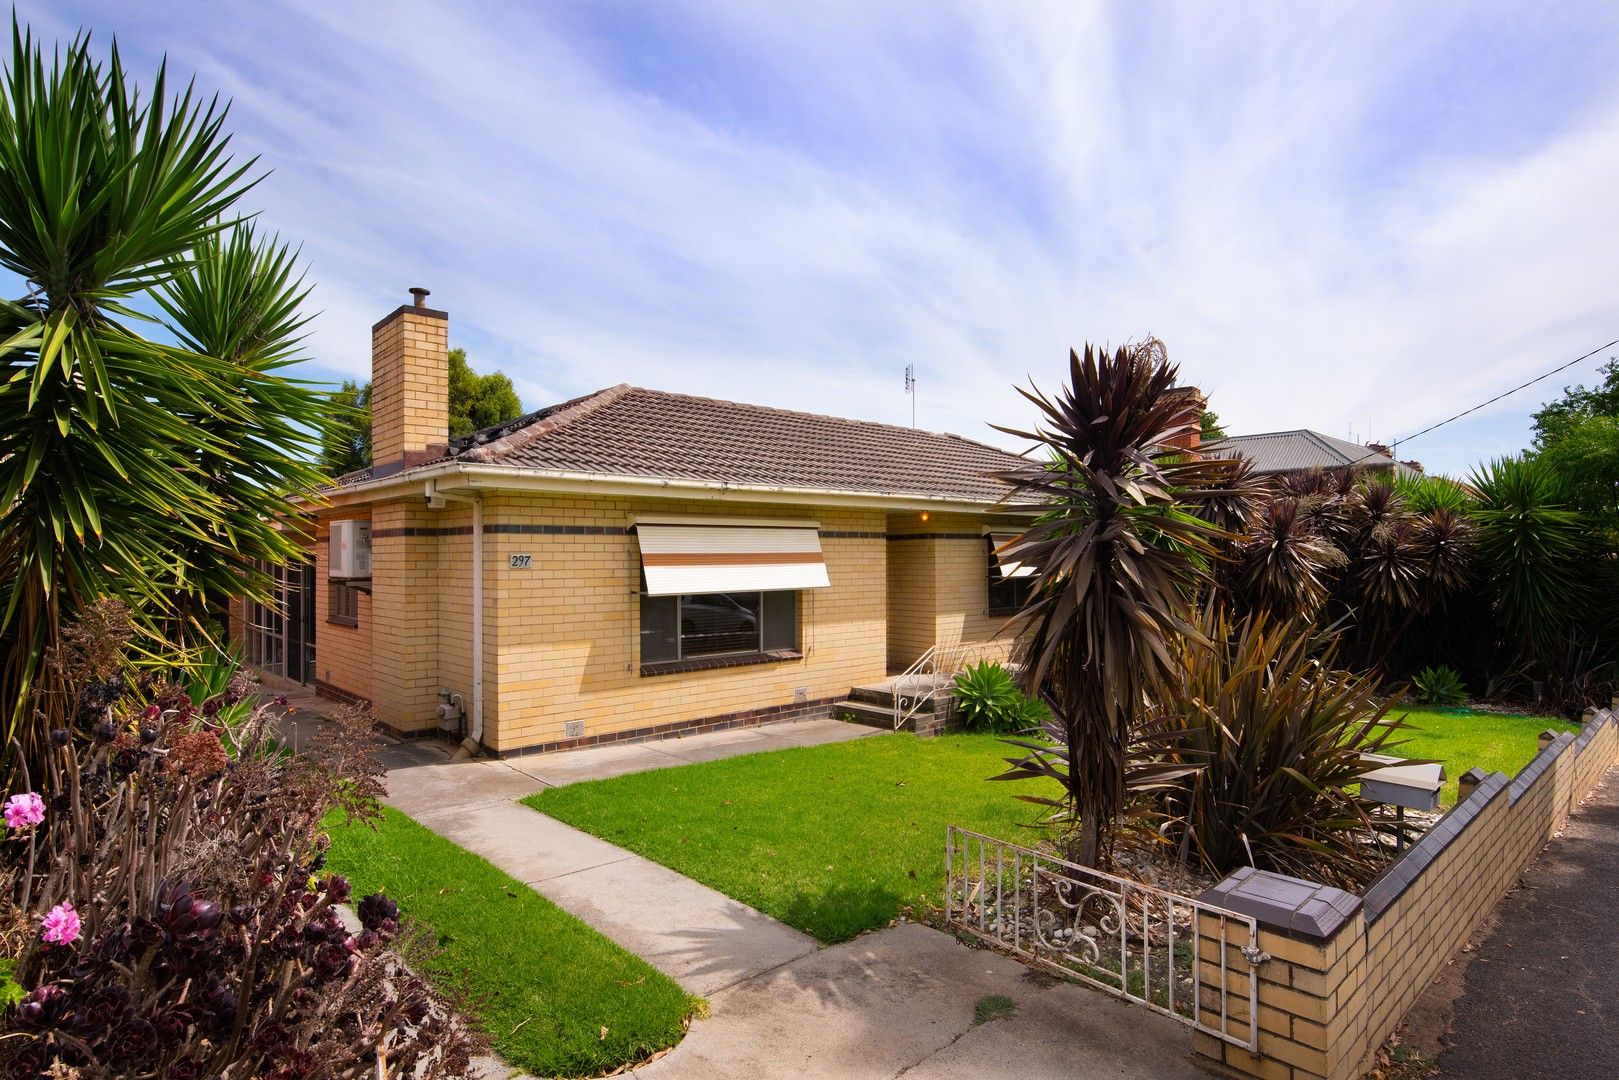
{"x":1119,"y":552}
{"x":128,"y":467}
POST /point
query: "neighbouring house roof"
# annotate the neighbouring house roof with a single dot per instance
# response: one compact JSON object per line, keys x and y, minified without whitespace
{"x":637,"y":433}
{"x":1289,"y":451}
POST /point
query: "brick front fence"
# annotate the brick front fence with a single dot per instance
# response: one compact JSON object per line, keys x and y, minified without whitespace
{"x":1343,"y":969}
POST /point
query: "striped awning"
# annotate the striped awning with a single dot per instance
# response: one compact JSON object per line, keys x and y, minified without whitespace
{"x":683,"y":560}
{"x":1006,"y":555}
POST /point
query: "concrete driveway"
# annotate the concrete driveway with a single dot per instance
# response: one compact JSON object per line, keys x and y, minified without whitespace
{"x":900,"y":1003}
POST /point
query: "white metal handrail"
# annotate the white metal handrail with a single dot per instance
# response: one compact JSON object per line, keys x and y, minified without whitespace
{"x":1135,"y":941}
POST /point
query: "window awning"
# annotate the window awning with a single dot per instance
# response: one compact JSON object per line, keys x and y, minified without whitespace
{"x":1006,"y":555}
{"x":681,"y":560}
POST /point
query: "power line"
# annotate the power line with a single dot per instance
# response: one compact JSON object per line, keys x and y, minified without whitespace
{"x":1506,"y":394}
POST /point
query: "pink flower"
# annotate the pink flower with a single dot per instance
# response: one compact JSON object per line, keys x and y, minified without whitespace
{"x":61,"y":925}
{"x":24,"y":810}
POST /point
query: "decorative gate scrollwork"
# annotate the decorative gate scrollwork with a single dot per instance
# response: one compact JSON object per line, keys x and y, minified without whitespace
{"x":1170,"y":953}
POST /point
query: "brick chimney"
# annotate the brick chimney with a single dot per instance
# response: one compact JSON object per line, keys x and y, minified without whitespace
{"x":1195,"y":403}
{"x":410,"y":382}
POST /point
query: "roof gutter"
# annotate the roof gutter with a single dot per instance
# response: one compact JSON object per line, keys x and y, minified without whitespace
{"x":470,"y":477}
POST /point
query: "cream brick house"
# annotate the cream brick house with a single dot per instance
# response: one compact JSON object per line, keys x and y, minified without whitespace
{"x":630,"y":564}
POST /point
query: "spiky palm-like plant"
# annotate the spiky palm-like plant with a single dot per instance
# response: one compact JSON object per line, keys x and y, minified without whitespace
{"x":1119,"y":554}
{"x":1274,"y":733}
{"x":129,"y":468}
{"x":1533,"y":544}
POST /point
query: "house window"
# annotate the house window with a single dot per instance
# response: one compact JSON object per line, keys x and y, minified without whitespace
{"x":343,"y":604}
{"x":717,"y":624}
{"x":1009,"y":582}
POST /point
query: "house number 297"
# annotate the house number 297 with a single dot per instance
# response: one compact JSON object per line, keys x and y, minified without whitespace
{"x":520,"y":562}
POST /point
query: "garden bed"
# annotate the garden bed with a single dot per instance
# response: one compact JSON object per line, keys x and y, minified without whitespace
{"x":556,"y":997}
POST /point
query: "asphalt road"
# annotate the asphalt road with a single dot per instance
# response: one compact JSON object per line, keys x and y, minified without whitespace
{"x":1541,"y":997}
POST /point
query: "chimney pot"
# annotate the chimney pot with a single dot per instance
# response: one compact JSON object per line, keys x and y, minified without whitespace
{"x":419,"y":295}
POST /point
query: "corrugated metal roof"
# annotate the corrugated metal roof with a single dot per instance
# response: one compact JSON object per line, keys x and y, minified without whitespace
{"x":1288,"y":451}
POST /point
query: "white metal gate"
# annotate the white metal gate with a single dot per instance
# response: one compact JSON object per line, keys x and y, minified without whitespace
{"x":1167,"y":952}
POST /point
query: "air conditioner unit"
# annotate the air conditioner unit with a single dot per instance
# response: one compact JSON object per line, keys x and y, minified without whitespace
{"x":351,"y":550}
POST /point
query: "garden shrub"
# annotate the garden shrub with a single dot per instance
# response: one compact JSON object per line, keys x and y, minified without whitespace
{"x":1440,"y":686}
{"x":988,"y":701}
{"x":165,"y":913}
{"x":1268,"y":737}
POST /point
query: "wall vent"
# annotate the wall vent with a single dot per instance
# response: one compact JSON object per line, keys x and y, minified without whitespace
{"x":800,"y":695}
{"x":573,"y":729}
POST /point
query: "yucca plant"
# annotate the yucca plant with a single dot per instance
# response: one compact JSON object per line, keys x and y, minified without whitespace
{"x":1272,"y":736}
{"x":1118,"y":552}
{"x":1532,"y":544}
{"x":1440,"y":686}
{"x":128,"y":467}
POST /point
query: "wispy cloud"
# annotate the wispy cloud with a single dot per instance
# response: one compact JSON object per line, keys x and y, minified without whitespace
{"x":1334,"y":216}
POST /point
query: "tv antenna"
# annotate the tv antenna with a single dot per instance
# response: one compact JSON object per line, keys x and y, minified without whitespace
{"x":910,"y":389}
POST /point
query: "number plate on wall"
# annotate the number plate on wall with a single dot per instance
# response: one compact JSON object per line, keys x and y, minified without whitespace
{"x":520,"y":562}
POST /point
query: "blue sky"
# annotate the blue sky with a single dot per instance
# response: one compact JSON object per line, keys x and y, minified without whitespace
{"x":1355,"y":217}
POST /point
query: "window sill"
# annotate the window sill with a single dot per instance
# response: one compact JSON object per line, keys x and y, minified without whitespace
{"x":713,"y":663}
{"x":338,"y":620}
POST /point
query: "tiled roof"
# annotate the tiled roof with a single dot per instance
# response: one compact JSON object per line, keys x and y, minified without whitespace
{"x":632,"y":432}
{"x":1285,"y":451}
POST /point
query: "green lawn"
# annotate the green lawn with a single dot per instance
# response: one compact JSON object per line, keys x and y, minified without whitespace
{"x":557,"y":997}
{"x":830,"y":839}
{"x":1462,"y":739}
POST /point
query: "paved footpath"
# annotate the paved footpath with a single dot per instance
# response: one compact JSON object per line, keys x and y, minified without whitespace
{"x":1541,"y":994}
{"x":895,"y":1003}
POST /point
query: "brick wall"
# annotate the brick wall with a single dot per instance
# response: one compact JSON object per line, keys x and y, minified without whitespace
{"x":1345,"y":968}
{"x":342,"y":653}
{"x":404,"y":614}
{"x":410,"y":407}
{"x":938,"y":582}
{"x":566,"y":630}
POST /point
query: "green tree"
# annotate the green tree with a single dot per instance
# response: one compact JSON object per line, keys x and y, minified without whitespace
{"x":129,"y":468}
{"x":476,"y":401}
{"x":479,"y":401}
{"x":346,"y":445}
{"x":1577,"y":437}
{"x":1210,"y":426}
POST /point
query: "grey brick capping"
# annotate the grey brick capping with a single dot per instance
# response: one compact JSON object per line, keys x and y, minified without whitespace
{"x":1393,"y":882}
{"x":749,"y":718}
{"x":426,"y":313}
{"x":1537,"y":766}
{"x":1289,"y":905}
{"x":713,"y":663}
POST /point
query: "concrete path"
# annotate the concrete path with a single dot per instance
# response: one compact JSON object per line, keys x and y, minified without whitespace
{"x":1540,"y":996}
{"x":697,"y":936}
{"x":896,"y":1003}
{"x":899,"y":1003}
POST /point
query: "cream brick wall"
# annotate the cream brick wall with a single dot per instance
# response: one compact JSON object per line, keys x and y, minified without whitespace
{"x":938,"y":582}
{"x":567,"y":630}
{"x":561,"y":639}
{"x":404,"y":614}
{"x":1325,"y":1007}
{"x":409,"y":384}
{"x":342,"y":653}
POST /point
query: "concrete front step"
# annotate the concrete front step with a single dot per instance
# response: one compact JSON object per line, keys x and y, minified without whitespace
{"x":883,"y":693}
{"x":864,"y":712}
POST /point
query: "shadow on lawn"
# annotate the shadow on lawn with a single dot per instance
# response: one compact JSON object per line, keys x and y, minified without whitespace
{"x":842,"y":911}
